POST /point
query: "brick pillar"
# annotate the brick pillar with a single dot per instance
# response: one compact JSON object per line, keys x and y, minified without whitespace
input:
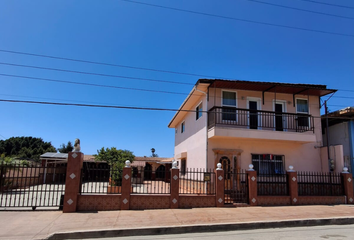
{"x":174,"y":197}
{"x":252,"y":187}
{"x":126,"y":186}
{"x":348,"y":186}
{"x":72,"y":181}
{"x":293,"y":187}
{"x":220,"y":186}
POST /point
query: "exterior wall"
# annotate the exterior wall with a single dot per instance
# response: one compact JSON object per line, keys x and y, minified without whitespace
{"x":304,"y":157}
{"x":335,"y":153}
{"x":193,"y":140}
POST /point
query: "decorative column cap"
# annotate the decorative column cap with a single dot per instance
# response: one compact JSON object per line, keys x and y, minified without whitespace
{"x":174,"y":164}
{"x":218,"y":166}
{"x":127,"y":164}
{"x":291,"y":169}
{"x":345,"y":170}
{"x":250,"y":167}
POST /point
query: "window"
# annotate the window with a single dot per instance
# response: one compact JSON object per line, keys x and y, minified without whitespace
{"x":268,"y":163}
{"x":229,"y":100}
{"x":183,"y":127}
{"x":183,"y":166}
{"x":199,"y":111}
{"x":302,"y":108}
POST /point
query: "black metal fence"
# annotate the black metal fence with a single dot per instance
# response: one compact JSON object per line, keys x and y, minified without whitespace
{"x":320,"y":184}
{"x":100,"y":179}
{"x":236,"y":187}
{"x":272,"y":185}
{"x":151,"y":181}
{"x":258,"y":119}
{"x":32,"y":185}
{"x":197,"y":181}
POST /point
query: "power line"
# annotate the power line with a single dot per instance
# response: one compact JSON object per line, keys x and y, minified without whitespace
{"x":95,"y":74}
{"x":236,"y":19}
{"x":300,"y":9}
{"x":120,"y":107}
{"x":108,"y":64}
{"x":329,"y":4}
{"x":90,"y":84}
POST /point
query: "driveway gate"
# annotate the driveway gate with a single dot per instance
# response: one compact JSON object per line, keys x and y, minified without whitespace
{"x":236,"y":187}
{"x":32,"y":185}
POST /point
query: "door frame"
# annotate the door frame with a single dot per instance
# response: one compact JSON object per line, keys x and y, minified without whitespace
{"x":259,"y":107}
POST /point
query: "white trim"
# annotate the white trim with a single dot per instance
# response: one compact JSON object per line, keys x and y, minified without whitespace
{"x":259,"y":107}
{"x":308,"y":108}
{"x":283,"y":103}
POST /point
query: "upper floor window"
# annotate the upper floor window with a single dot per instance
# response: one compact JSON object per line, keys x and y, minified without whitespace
{"x":183,"y":126}
{"x":199,"y":111}
{"x":302,"y":107}
{"x":229,"y":99}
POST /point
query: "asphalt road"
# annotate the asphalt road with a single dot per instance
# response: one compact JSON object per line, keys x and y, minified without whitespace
{"x":331,"y":232}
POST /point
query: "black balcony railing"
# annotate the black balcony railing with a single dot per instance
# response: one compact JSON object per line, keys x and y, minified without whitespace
{"x":258,"y":119}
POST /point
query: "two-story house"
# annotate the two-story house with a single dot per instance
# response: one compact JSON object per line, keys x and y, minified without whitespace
{"x":271,"y":125}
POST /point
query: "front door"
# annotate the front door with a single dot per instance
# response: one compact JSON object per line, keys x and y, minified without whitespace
{"x":253,"y":123}
{"x":279,"y":117}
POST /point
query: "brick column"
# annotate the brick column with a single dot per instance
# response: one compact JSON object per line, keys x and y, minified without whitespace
{"x":126,"y":186}
{"x":220,"y":186}
{"x":174,"y":197}
{"x":348,"y":185}
{"x":252,"y":186}
{"x":72,"y":181}
{"x":293,"y":186}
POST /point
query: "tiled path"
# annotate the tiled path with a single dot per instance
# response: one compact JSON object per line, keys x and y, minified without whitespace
{"x":40,"y":224}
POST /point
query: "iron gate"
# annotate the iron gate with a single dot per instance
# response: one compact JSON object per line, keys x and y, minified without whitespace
{"x":32,"y":185}
{"x":236,"y":187}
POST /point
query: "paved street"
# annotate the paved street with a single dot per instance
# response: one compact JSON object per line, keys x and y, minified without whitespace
{"x":332,"y":232}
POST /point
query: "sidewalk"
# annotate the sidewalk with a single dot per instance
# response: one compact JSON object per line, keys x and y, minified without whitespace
{"x":47,"y":224}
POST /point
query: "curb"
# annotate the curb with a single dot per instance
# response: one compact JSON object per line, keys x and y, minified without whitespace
{"x":199,"y":228}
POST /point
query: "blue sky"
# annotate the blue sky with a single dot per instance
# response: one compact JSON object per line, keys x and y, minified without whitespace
{"x":131,"y":34}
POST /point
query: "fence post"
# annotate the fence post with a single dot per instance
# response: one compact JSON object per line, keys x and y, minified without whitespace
{"x":252,"y":186}
{"x":126,"y":186}
{"x":72,"y":181}
{"x":347,"y":181}
{"x":174,"y":195}
{"x":220,"y":186}
{"x":293,"y":185}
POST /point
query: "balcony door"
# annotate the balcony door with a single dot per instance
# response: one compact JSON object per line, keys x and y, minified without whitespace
{"x":279,"y":109}
{"x":254,"y":118}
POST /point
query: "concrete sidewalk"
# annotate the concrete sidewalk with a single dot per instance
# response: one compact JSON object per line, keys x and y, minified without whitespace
{"x":56,"y":225}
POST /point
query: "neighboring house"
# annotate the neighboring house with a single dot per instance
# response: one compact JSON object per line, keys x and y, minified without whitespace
{"x":341,"y":132}
{"x":236,"y":123}
{"x":151,"y":168}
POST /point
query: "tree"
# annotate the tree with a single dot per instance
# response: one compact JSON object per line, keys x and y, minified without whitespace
{"x":153,"y":154}
{"x":25,"y":147}
{"x":115,"y":158}
{"x":66,"y":148}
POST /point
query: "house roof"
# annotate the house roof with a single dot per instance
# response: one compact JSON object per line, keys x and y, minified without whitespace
{"x":342,"y":115}
{"x":288,"y":88}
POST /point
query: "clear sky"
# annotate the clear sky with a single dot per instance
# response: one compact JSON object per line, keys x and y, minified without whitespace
{"x":131,"y":34}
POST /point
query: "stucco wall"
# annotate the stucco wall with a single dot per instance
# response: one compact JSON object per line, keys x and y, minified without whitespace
{"x":304,"y":157}
{"x":193,"y":140}
{"x":335,"y":153}
{"x":339,"y":135}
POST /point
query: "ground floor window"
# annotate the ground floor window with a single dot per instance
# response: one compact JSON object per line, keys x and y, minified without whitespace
{"x":268,"y":163}
{"x":183,"y":166}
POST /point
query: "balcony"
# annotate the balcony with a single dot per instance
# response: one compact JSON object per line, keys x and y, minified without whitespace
{"x":246,"y":123}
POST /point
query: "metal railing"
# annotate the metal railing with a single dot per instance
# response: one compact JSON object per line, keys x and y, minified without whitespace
{"x":258,"y":119}
{"x":236,"y":187}
{"x":272,"y":185}
{"x":320,"y":184}
{"x":151,"y":181}
{"x":197,"y":181}
{"x":101,"y":179}
{"x":32,"y":185}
